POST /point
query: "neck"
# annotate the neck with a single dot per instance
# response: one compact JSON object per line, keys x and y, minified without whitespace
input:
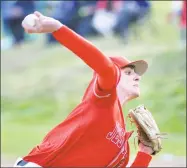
{"x":123,"y":99}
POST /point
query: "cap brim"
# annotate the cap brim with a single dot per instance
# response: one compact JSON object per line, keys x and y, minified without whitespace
{"x":140,"y":66}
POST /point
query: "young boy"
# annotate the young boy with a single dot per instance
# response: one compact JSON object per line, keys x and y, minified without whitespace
{"x":94,"y":133}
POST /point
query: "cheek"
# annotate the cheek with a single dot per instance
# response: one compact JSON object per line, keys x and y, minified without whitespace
{"x":126,"y":81}
{"x":126,"y":84}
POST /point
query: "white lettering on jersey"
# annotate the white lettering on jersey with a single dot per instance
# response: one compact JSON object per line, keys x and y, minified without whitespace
{"x":117,"y":135}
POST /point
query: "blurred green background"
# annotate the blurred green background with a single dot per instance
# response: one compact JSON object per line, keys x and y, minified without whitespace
{"x":40,"y":85}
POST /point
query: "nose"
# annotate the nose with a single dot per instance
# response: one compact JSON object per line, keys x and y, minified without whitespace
{"x":137,"y":78}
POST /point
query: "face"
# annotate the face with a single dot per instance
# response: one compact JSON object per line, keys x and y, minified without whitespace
{"x":129,"y":83}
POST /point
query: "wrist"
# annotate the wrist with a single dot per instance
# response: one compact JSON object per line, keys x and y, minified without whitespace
{"x":145,"y":149}
{"x":58,"y":25}
{"x":149,"y":152}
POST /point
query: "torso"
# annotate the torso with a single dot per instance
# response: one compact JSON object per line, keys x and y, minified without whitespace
{"x":92,"y":135}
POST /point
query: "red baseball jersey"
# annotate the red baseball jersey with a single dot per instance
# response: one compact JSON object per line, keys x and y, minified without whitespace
{"x":94,"y":133}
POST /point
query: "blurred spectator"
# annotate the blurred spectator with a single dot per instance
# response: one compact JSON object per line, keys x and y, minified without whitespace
{"x":6,"y":7}
{"x":183,"y":24}
{"x":41,"y":6}
{"x":104,"y":18}
{"x":109,"y":5}
{"x":86,"y":12}
{"x":130,"y":13}
{"x":175,"y":12}
{"x":13,"y":14}
{"x":177,"y":16}
{"x":66,"y":12}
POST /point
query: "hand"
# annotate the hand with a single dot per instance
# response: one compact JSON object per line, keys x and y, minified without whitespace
{"x":43,"y":24}
{"x":145,"y":149}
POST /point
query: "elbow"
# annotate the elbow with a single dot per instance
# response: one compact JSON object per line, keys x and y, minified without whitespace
{"x":108,"y":71}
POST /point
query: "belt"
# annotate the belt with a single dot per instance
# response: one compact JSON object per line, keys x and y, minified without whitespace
{"x":22,"y":163}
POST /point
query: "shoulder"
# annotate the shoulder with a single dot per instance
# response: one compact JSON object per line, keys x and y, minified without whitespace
{"x":93,"y":90}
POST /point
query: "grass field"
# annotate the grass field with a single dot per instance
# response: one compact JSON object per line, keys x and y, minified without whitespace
{"x":41,"y":85}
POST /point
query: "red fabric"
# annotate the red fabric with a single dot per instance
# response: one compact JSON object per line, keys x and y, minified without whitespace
{"x":120,"y":61}
{"x":142,"y":160}
{"x":93,"y":57}
{"x":183,"y":15}
{"x":94,"y":133}
{"x":103,"y":4}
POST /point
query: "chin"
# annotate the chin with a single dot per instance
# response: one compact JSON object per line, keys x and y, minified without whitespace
{"x":135,"y":94}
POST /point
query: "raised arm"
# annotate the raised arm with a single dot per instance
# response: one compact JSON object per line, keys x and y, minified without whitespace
{"x":91,"y":55}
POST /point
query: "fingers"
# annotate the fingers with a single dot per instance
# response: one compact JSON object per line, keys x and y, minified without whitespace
{"x":28,"y":28}
{"x":39,"y":26}
{"x":38,"y":14}
{"x":31,"y":30}
{"x":43,"y":24}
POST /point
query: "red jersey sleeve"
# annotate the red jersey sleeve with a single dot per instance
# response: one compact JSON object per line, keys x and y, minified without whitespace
{"x":142,"y":160}
{"x":97,"y":90}
{"x":92,"y":56}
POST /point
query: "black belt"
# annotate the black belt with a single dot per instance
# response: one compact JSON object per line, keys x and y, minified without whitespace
{"x":22,"y":163}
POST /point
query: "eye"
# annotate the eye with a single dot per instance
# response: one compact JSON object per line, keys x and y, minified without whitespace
{"x":128,"y":72}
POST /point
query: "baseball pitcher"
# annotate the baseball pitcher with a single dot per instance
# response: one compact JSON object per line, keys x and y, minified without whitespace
{"x":94,"y":134}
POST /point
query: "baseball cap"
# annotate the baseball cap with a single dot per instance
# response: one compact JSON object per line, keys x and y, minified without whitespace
{"x":140,"y":66}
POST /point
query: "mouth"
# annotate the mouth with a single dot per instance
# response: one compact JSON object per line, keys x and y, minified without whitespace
{"x":136,"y":85}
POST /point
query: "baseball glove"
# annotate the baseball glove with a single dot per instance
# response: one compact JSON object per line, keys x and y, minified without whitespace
{"x":147,"y":129}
